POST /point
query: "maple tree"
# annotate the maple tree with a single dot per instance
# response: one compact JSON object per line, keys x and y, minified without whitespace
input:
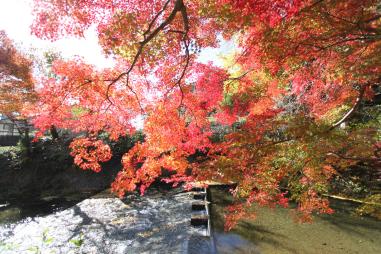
{"x":16,"y":84}
{"x":300,"y":70}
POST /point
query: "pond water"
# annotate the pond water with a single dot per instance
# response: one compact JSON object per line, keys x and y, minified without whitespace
{"x":274,"y":231}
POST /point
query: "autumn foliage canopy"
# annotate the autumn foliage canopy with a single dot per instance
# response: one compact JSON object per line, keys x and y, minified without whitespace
{"x":268,"y":118}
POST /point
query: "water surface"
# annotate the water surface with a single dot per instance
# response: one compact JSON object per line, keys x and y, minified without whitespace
{"x":274,"y":231}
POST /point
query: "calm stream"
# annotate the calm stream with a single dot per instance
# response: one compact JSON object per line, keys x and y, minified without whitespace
{"x":274,"y":231}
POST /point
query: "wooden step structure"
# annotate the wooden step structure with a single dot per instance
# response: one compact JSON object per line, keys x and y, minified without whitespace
{"x":200,"y":217}
{"x":199,"y":205}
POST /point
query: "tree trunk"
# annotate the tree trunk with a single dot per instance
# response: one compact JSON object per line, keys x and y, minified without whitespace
{"x":25,"y":141}
{"x":54,"y":132}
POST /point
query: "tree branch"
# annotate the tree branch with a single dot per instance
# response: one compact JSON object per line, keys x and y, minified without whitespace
{"x":184,"y":15}
{"x":352,"y":110}
{"x":155,"y":18}
{"x":369,"y":159}
{"x":179,"y":6}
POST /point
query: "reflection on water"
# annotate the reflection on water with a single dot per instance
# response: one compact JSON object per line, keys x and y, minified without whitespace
{"x":274,"y":231}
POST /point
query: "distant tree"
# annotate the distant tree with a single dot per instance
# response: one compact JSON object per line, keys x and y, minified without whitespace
{"x":16,"y":85}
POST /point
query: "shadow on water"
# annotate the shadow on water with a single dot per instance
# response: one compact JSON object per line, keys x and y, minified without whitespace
{"x":159,"y":219}
{"x":85,"y":221}
{"x":157,"y":222}
{"x":274,"y":231}
{"x":12,"y":211}
{"x":345,"y":219}
{"x":246,"y":236}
